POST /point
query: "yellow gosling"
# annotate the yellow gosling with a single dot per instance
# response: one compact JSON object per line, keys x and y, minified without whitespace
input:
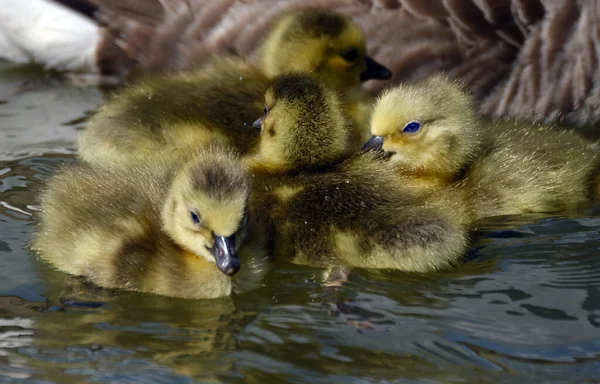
{"x":430,"y":131}
{"x":156,"y":227}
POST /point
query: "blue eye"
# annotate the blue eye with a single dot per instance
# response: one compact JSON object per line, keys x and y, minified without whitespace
{"x":412,"y":127}
{"x":195,"y":217}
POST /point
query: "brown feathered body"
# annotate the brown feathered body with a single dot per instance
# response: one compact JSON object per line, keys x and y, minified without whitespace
{"x":532,"y":168}
{"x":358,"y":214}
{"x":172,"y":115}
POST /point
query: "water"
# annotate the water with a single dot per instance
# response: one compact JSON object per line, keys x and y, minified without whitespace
{"x":525,"y":308}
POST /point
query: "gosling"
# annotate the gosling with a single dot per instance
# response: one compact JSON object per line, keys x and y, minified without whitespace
{"x":430,"y":131}
{"x":155,"y":227}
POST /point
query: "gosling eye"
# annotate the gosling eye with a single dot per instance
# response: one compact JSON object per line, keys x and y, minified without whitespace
{"x":350,"y":56}
{"x":266,"y":110}
{"x":195,"y":217}
{"x":412,"y":127}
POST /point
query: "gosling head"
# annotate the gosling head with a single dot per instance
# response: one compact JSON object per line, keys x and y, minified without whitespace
{"x":206,"y":208}
{"x":304,"y":125}
{"x":426,"y":129}
{"x":321,"y":42}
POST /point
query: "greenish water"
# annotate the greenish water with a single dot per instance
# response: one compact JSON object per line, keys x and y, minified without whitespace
{"x":525,"y":308}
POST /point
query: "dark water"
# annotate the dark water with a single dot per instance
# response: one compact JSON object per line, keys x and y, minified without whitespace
{"x":525,"y":309}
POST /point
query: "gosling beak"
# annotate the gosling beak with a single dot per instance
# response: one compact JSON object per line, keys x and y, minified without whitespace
{"x":375,"y":143}
{"x":374,"y":71}
{"x":224,"y":253}
{"x":258,"y":123}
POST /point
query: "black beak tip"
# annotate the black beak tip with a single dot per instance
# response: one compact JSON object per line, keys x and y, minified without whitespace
{"x":386,"y":74}
{"x":231,"y":268}
{"x":257,"y":123}
{"x":375,"y":143}
{"x":225,"y":256}
{"x":375,"y":71}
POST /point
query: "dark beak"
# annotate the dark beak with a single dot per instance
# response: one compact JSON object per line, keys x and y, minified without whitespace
{"x":224,"y":253}
{"x":374,"y":71}
{"x":374,"y":143}
{"x":258,"y":123}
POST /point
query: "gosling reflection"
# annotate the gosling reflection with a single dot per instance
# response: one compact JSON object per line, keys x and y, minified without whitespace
{"x":187,"y":337}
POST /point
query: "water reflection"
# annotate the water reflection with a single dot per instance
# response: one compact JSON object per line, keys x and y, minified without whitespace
{"x":511,"y":311}
{"x":71,"y":338}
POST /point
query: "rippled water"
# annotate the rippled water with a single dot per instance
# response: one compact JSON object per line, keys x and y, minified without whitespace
{"x":526,"y":307}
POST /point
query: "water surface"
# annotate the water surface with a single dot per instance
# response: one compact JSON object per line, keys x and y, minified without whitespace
{"x":526,"y":308}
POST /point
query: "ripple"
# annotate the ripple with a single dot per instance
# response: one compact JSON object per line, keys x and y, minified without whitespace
{"x":566,"y":353}
{"x":548,"y":313}
{"x":564,"y":250}
{"x":5,"y":247}
{"x":33,"y":116}
{"x":73,"y":354}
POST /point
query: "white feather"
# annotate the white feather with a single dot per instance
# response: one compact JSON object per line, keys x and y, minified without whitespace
{"x":48,"y":33}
